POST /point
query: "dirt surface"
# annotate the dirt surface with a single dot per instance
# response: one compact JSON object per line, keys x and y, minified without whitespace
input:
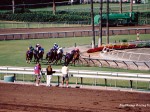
{"x":23,"y":98}
{"x":29,"y":98}
{"x":54,"y":29}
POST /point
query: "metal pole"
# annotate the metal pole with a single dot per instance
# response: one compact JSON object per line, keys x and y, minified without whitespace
{"x":92,"y":20}
{"x":120,"y":6}
{"x":131,"y":6}
{"x":107,"y":24}
{"x":54,"y":7}
{"x":100,"y":25}
{"x":13,"y":6}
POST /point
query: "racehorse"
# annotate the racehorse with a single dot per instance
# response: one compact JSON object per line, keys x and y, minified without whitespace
{"x":51,"y":56}
{"x":38,"y":55}
{"x":72,"y":57}
{"x":59,"y":57}
{"x":69,"y":57}
{"x":76,"y":57}
{"x":29,"y":56}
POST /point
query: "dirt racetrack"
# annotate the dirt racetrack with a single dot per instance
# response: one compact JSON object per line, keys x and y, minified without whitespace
{"x":55,"y":29}
{"x":29,"y":98}
{"x":23,"y":98}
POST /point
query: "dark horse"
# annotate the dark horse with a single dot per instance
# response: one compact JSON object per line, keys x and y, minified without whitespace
{"x":38,"y":55}
{"x":29,"y":56}
{"x":59,"y":57}
{"x":51,"y":56}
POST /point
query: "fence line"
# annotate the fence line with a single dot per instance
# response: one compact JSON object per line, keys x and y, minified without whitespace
{"x":83,"y":74}
{"x":76,"y":33}
{"x":44,"y":24}
{"x":115,"y":63}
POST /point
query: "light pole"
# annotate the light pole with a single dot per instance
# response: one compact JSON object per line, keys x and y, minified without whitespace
{"x":120,"y":6}
{"x":100,"y":25}
{"x":13,"y":6}
{"x":92,"y":21}
{"x":54,"y":7}
{"x":107,"y":24}
{"x":131,"y":6}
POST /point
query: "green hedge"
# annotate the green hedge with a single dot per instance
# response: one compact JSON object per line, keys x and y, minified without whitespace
{"x":43,"y":16}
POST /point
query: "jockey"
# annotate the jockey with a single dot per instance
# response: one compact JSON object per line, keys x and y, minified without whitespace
{"x":31,"y":48}
{"x":38,"y":47}
{"x":76,"y":50}
{"x":50,"y":50}
{"x":60,"y":50}
{"x":41,"y":50}
{"x":55,"y":47}
{"x":67,"y":55}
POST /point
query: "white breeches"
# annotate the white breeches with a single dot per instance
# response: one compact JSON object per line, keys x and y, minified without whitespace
{"x":49,"y":77}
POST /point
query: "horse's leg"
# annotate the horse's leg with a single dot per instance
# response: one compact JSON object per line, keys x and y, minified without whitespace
{"x":48,"y":60}
{"x":35,"y":58}
{"x":26,"y":59}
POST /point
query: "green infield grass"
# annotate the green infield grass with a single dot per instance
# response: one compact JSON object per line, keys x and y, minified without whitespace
{"x":13,"y":54}
{"x":13,"y":51}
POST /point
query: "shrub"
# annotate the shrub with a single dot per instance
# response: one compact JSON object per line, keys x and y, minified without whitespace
{"x":26,"y":15}
{"x":124,"y":40}
{"x":22,"y":10}
{"x":147,"y":44}
{"x":140,"y":45}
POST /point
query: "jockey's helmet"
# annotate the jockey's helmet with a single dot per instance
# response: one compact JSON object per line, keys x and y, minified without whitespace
{"x":37,"y":45}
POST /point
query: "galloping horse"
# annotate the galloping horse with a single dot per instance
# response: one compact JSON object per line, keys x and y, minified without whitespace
{"x":76,"y":57}
{"x":59,"y":57}
{"x":38,"y":55}
{"x":69,"y":57}
{"x":72,"y":57}
{"x":29,"y":56}
{"x":51,"y":55}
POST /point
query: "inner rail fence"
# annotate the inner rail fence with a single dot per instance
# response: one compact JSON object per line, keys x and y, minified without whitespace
{"x":127,"y":55}
{"x":76,"y":33}
{"x":114,"y":63}
{"x":45,"y":24}
{"x":109,"y":79}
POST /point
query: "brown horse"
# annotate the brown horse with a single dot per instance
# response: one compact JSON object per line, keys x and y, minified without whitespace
{"x":29,"y":56}
{"x":68,"y":58}
{"x":72,"y":57}
{"x":38,"y":55}
{"x":50,"y":56}
{"x":75,"y":57}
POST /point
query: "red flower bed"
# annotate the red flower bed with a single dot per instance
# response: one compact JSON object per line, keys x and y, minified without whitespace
{"x":95,"y":49}
{"x":131,"y":46}
{"x":117,"y":47}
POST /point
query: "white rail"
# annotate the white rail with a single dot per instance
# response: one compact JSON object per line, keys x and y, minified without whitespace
{"x":83,"y":74}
